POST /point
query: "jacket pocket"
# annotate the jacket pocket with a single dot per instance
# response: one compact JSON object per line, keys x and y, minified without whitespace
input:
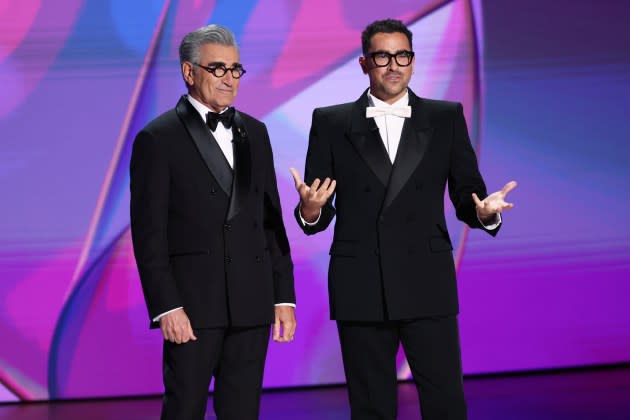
{"x":180,"y":252}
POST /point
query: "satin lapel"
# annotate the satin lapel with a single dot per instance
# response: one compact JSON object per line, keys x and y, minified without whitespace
{"x":242,"y":167}
{"x":206,"y":144}
{"x":414,"y":140}
{"x":367,"y":141}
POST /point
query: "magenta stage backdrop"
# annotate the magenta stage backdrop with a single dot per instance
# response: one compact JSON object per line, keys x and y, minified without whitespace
{"x":544,"y":91}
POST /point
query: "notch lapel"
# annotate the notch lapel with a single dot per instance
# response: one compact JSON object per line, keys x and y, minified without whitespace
{"x":242,"y":167}
{"x":206,"y":144}
{"x":367,"y":141}
{"x":414,"y":140}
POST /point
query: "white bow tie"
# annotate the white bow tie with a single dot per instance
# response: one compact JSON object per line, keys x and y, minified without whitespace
{"x":379,"y":111}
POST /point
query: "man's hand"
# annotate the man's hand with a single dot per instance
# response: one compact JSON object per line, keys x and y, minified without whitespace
{"x":312,"y":198}
{"x":494,"y":203}
{"x":176,"y":327}
{"x":284,"y":327}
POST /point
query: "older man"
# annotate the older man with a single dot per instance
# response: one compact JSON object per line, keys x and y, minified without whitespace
{"x":209,"y":239}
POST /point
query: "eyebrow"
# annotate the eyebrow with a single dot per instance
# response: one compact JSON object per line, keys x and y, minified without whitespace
{"x":387,"y":52}
{"x":221,"y":63}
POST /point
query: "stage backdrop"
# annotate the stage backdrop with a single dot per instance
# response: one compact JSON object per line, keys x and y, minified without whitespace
{"x":545,"y":87}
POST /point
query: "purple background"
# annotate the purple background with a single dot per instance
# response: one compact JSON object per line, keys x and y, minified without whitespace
{"x":545,"y":90}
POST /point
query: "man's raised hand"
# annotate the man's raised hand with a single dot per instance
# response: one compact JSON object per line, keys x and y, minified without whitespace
{"x":494,"y":203}
{"x":312,"y":198}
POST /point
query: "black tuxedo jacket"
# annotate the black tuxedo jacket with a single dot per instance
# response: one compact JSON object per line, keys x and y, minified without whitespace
{"x":205,"y":237}
{"x":391,"y":253}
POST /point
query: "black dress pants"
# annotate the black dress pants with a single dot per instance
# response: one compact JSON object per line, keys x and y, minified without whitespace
{"x":432,"y":349}
{"x":236,"y":359}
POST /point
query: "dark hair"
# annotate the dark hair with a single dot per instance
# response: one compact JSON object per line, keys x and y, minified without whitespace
{"x":387,"y":26}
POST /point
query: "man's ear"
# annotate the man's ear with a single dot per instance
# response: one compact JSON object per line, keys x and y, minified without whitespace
{"x":187,"y":73}
{"x":363,"y":64}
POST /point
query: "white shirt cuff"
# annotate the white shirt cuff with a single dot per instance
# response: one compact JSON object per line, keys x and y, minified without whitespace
{"x":492,"y":226}
{"x":286,"y":304}
{"x":304,"y":222}
{"x":157,"y":318}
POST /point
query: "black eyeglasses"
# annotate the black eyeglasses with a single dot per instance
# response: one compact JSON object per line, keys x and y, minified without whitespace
{"x":383,"y":58}
{"x":219,"y":70}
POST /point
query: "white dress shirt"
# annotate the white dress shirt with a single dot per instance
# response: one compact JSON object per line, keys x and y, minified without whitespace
{"x":390,"y":128}
{"x":222,"y":135}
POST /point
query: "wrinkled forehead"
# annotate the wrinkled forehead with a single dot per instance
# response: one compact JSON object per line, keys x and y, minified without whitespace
{"x":218,"y":53}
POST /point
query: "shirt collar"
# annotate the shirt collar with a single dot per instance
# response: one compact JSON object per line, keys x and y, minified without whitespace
{"x":201,"y":108}
{"x":374,"y":101}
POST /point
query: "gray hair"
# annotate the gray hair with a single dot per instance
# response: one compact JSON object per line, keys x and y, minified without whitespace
{"x":211,"y":34}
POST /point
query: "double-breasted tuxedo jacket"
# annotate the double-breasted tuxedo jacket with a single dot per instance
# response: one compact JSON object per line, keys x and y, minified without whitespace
{"x":391,"y":254}
{"x":206,"y":237}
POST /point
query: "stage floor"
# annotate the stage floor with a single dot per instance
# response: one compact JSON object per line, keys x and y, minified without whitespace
{"x":594,"y":394}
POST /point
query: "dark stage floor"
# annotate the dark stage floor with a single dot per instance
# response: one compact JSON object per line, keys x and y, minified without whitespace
{"x":602,"y":394}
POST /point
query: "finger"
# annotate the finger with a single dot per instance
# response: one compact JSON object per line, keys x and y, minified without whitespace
{"x":508,"y":187}
{"x":331,"y":189}
{"x":303,"y":190}
{"x":477,"y":201}
{"x":168,"y":333}
{"x":290,"y":330}
{"x":315,"y":186}
{"x":286,"y":334}
{"x":191,"y":334}
{"x":276,"y":331}
{"x":325,"y":185}
{"x":284,"y":337}
{"x":179,"y":337}
{"x":296,"y":177}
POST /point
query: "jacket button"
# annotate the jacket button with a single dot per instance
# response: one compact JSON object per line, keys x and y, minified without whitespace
{"x":227,"y":226}
{"x":258,"y":259}
{"x":228,"y":259}
{"x":213,"y":191}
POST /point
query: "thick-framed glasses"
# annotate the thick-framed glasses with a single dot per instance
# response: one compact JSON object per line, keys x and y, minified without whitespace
{"x":383,"y":58}
{"x":219,"y":70}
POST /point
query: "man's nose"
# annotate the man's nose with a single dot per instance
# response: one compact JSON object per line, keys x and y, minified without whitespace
{"x":227,"y":77}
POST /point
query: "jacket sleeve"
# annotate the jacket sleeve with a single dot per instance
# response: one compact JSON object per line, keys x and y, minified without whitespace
{"x":464,"y":176}
{"x":149,"y":183}
{"x":275,"y":233}
{"x":319,"y":164}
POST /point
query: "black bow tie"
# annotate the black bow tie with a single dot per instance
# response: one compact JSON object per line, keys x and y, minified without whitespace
{"x":227,"y":118}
